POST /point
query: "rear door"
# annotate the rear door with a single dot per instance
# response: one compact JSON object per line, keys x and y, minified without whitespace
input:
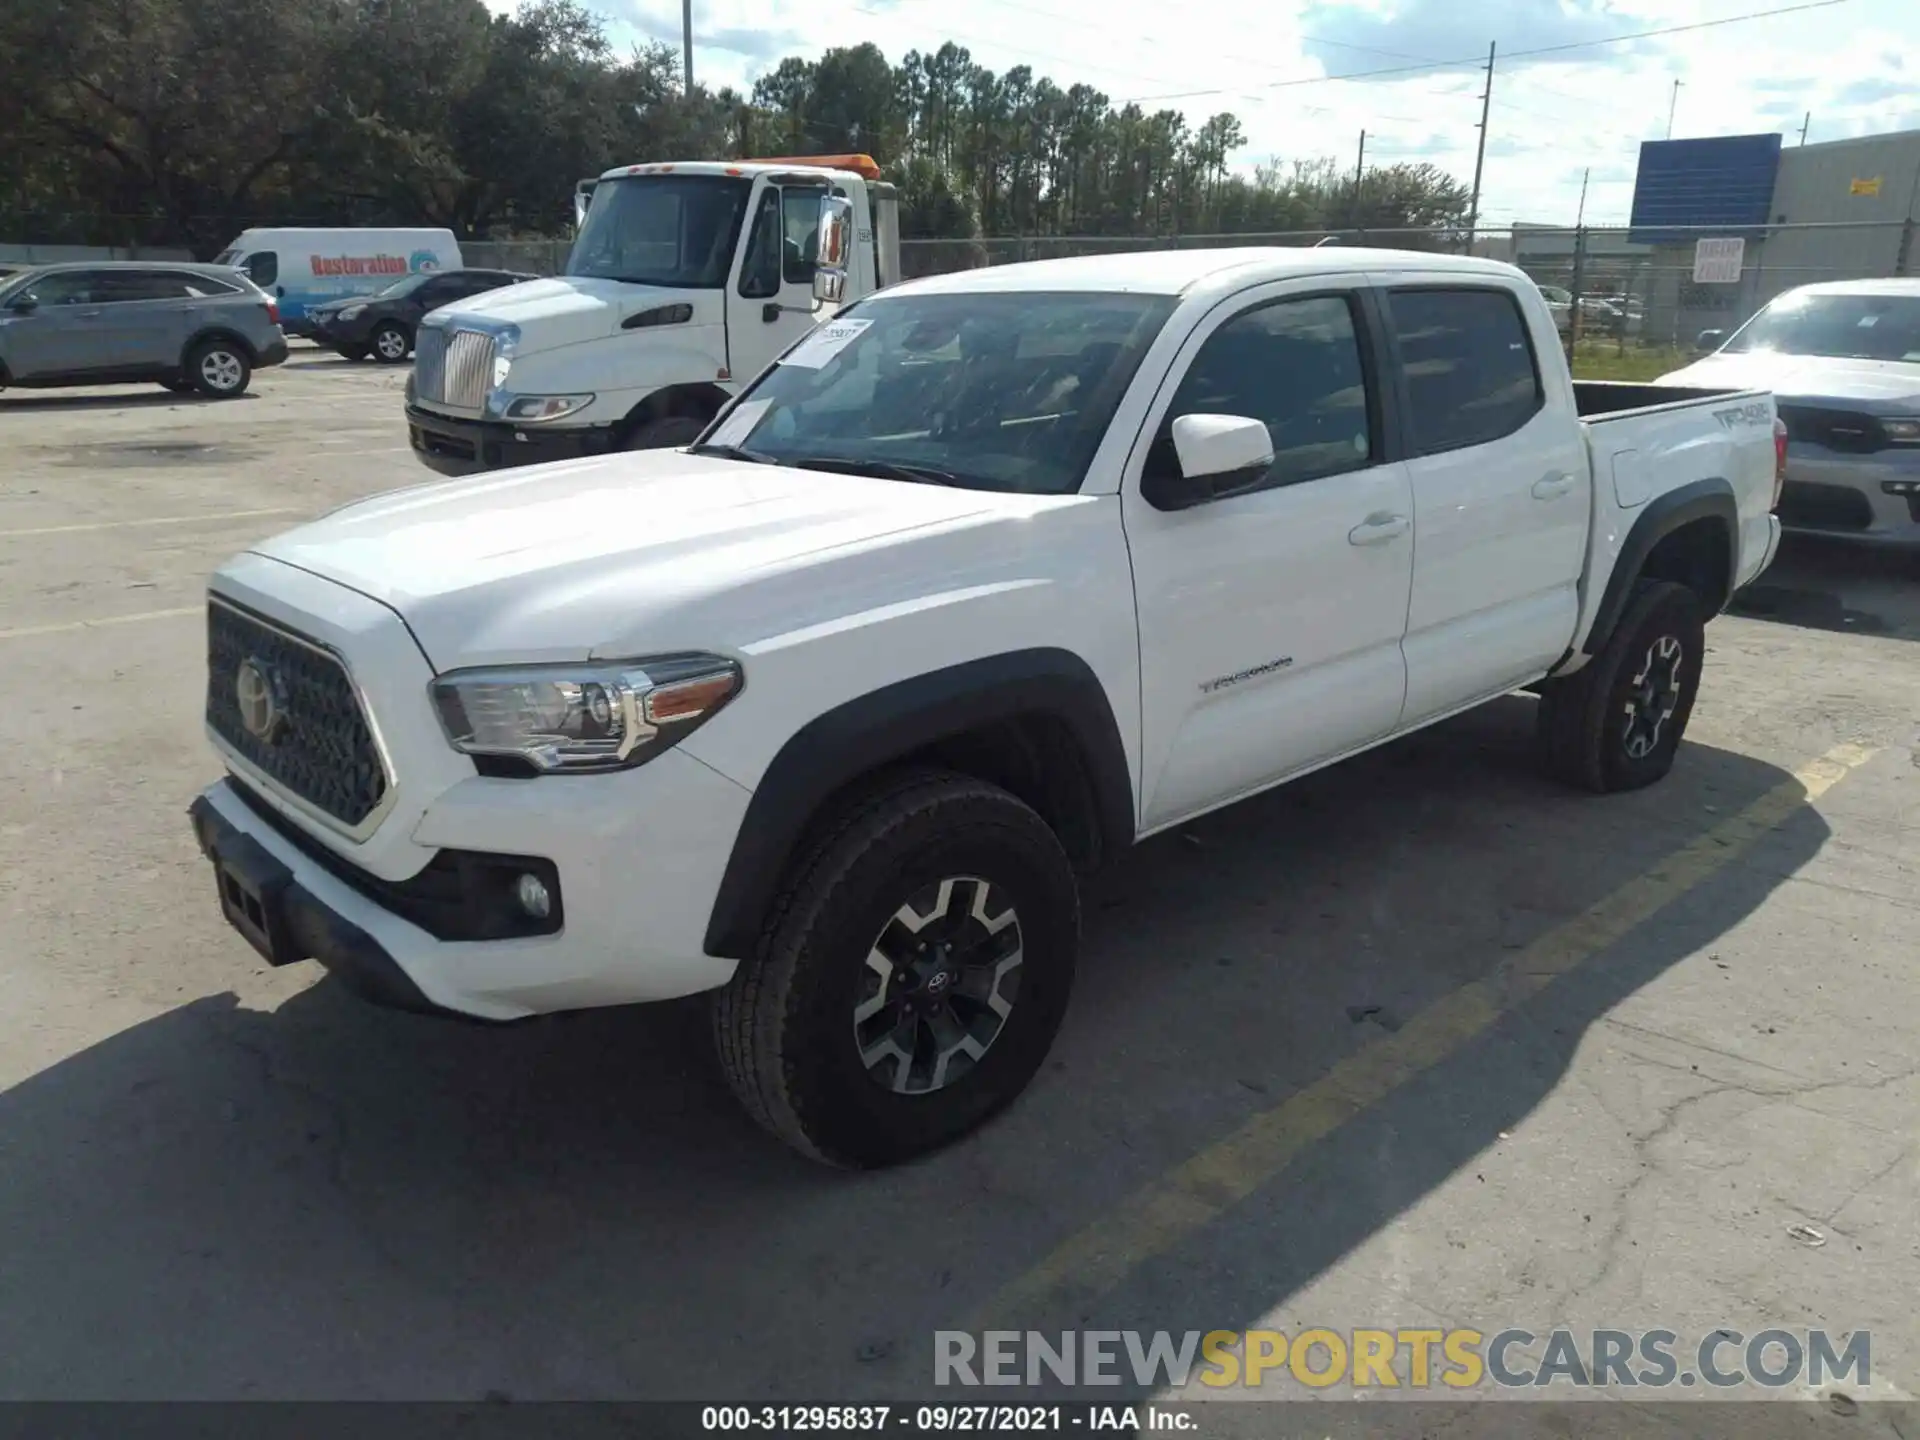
{"x":770,"y":304}
{"x":149,"y":316}
{"x":1270,"y":620}
{"x":1501,"y":490}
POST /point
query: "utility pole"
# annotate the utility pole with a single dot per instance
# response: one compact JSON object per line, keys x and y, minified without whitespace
{"x":1359,"y":169}
{"x":1480,"y":152}
{"x":686,"y":42}
{"x":1803,"y":127}
{"x":1574,"y":325}
{"x":1672,"y":106}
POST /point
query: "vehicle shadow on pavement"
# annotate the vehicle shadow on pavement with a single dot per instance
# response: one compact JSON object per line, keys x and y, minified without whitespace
{"x":327,"y":1201}
{"x":131,"y":400}
{"x":1821,"y":584}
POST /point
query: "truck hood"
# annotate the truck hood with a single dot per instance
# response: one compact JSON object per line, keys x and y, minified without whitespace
{"x":1887,"y":386}
{"x":571,"y":309}
{"x":622,"y":555}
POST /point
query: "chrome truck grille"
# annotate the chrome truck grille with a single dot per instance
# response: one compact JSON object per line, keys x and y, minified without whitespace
{"x":452,"y":367}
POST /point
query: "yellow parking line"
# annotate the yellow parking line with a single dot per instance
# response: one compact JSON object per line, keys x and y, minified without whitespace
{"x":1194,"y":1194}
{"x":160,"y":520}
{"x":21,"y":632}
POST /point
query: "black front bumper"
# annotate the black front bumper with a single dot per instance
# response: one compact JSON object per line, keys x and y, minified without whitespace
{"x":462,"y":447}
{"x":285,"y":922}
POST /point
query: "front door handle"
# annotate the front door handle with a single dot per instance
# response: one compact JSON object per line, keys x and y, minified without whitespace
{"x":1378,"y":529}
{"x":1552,"y":487}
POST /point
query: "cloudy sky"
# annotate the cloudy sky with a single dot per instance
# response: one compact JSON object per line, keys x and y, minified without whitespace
{"x":1275,"y":64}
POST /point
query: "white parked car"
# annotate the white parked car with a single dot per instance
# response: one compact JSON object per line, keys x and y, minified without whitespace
{"x":990,"y":577}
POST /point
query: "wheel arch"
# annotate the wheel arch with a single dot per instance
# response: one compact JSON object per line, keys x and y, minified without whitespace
{"x":701,"y":399}
{"x":1689,"y":535}
{"x":1036,"y":722}
{"x":218,"y":332}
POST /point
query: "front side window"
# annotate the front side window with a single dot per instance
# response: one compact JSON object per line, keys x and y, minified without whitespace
{"x":1471,"y":374}
{"x":263,"y":268}
{"x":62,"y":287}
{"x":990,"y":391}
{"x":669,"y":230}
{"x":1849,"y":326}
{"x":800,"y":233}
{"x":1294,"y":365}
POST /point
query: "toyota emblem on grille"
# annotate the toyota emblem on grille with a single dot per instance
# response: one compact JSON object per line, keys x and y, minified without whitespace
{"x":256,"y":689}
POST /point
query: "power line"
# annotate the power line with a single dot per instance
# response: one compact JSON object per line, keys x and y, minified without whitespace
{"x":1511,"y":55}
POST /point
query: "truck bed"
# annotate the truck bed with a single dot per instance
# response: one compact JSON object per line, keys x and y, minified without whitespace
{"x":1599,"y":401}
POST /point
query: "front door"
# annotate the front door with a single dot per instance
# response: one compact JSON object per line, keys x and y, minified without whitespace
{"x":1270,"y":620}
{"x":53,"y":325}
{"x":770,"y":304}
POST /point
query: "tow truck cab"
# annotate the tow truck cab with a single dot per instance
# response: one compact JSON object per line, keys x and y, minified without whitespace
{"x":686,"y":279}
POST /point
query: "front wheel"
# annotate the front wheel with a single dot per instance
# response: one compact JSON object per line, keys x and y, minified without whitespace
{"x":391,"y":343}
{"x":663,"y":434}
{"x":1616,"y":724}
{"x":912,"y":975}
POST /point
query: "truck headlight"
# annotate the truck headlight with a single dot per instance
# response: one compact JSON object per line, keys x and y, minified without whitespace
{"x":570,"y":718}
{"x":532,"y":409}
{"x":1901,"y":432}
{"x":351,"y":312}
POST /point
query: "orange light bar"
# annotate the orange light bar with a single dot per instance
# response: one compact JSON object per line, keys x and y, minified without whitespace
{"x":861,"y":165}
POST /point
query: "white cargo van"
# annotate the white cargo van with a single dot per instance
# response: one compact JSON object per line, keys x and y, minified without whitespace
{"x":305,"y":268}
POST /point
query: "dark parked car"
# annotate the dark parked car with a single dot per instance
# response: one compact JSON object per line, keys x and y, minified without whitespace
{"x":202,"y":328}
{"x":382,"y":325}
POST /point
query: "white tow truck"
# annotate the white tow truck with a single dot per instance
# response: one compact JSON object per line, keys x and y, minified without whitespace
{"x":985,"y":580}
{"x":685,"y":280}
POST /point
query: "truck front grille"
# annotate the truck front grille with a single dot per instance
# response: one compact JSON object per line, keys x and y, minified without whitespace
{"x":1848,"y":431}
{"x":452,"y":367}
{"x":288,"y":708}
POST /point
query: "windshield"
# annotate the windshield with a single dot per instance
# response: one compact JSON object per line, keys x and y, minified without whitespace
{"x":1859,"y":327}
{"x":992,"y":391}
{"x":406,"y":286}
{"x":676,"y":230}
{"x":11,"y":285}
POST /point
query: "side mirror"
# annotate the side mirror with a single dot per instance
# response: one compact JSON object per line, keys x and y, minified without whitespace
{"x":1708,"y":341}
{"x":836,"y":250}
{"x":582,"y":197}
{"x":23,"y":304}
{"x":1213,"y":455}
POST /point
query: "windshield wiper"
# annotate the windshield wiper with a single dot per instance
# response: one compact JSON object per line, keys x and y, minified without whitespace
{"x":733,"y":452}
{"x":878,"y":469}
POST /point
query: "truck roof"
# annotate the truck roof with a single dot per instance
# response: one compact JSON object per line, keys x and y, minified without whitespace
{"x":1173,"y":272}
{"x":807,"y":165}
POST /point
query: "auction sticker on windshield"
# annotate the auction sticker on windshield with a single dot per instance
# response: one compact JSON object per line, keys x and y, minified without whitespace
{"x":828,"y":341}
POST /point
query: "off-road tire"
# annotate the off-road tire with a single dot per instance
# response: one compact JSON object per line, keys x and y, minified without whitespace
{"x":783,"y":1026}
{"x":1584,"y":718}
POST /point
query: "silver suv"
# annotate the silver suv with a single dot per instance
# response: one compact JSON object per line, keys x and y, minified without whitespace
{"x":191,"y":328}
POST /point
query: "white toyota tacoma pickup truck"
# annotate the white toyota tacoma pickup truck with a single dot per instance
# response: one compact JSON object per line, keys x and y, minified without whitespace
{"x":981,"y":582}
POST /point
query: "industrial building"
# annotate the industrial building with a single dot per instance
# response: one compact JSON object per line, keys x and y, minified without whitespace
{"x":1840,"y":210}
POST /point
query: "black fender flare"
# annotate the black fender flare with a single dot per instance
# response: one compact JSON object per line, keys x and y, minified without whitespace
{"x":865,"y":734}
{"x":1709,"y":499}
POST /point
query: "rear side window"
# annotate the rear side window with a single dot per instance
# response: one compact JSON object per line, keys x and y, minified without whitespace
{"x":1471,"y":373}
{"x":160,"y":285}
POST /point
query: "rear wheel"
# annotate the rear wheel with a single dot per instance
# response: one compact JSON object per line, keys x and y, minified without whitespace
{"x":218,"y":369}
{"x":664,"y":433}
{"x":391,"y":342}
{"x":912,"y":976}
{"x":1617,"y":723}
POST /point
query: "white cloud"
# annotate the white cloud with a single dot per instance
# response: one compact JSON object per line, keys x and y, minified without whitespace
{"x":1270,"y":62}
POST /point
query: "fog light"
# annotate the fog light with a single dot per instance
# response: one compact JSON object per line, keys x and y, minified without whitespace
{"x":531,"y":892}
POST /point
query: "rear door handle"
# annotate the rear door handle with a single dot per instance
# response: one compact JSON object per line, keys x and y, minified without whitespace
{"x":1552,"y":487}
{"x":1378,"y":529}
